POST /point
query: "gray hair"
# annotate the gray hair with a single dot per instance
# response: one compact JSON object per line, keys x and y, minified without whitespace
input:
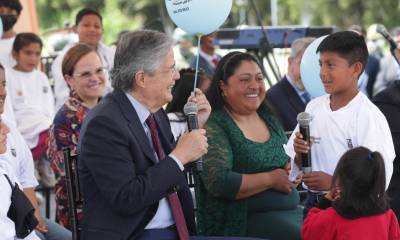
{"x":139,"y":50}
{"x":299,"y":45}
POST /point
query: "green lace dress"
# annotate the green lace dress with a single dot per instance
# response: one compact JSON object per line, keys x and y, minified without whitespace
{"x":269,"y":214}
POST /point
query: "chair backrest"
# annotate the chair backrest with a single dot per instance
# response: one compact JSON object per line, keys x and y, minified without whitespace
{"x":75,"y":199}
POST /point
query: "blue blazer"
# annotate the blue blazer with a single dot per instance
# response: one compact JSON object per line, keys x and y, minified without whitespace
{"x":286,"y":102}
{"x":205,"y":65}
{"x":121,"y":180}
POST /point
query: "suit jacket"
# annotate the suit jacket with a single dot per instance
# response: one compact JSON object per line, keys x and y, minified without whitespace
{"x":388,"y":101}
{"x":122,"y":182}
{"x":286,"y":102}
{"x":205,"y":65}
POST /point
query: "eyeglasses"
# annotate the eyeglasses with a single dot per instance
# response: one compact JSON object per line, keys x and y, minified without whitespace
{"x":100,"y":72}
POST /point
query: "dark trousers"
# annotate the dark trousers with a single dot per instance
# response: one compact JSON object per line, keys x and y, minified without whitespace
{"x":311,"y":201}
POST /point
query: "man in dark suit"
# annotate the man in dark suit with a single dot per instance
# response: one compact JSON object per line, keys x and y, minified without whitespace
{"x":129,"y":165}
{"x":208,"y":59}
{"x":288,"y":96}
{"x":388,"y":101}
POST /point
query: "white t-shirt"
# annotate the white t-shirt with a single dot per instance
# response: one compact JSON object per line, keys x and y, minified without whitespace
{"x":61,"y":89}
{"x":6,"y":58}
{"x":19,"y":157}
{"x":359,"y":123}
{"x":32,"y":101}
{"x":7,"y":226}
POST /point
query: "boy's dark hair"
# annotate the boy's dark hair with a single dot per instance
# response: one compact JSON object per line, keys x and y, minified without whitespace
{"x":348,"y":44}
{"x":183,"y":87}
{"x":360,"y":175}
{"x":23,"y":39}
{"x":84,"y":12}
{"x":13,"y":4}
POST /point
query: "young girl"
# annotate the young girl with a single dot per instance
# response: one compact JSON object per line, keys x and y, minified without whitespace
{"x":359,"y":205}
{"x":31,"y":96}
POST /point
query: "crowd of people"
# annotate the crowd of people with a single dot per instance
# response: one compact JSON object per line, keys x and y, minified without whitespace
{"x":107,"y":107}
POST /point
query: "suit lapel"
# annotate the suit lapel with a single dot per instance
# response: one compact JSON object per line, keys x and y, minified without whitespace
{"x":134,"y":123}
{"x":167,"y":145}
{"x":293,"y":97}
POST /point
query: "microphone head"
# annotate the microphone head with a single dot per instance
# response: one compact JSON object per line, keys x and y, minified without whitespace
{"x":190,"y":108}
{"x":304,"y":118}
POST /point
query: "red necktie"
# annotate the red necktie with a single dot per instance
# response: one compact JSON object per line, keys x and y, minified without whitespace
{"x":215,"y":61}
{"x":173,"y":199}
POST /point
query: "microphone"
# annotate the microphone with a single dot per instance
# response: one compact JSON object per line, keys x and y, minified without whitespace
{"x":190,"y":110}
{"x":382,"y":30}
{"x":304,"y":120}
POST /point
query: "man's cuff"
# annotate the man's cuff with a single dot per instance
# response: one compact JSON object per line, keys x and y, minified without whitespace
{"x":177,"y":161}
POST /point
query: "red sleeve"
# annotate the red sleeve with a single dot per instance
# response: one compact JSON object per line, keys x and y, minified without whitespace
{"x":394,"y":230}
{"x":318,"y":225}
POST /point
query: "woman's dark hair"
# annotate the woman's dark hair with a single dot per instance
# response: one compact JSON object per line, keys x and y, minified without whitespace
{"x":224,"y":70}
{"x":24,"y":39}
{"x":182,"y":89}
{"x":360,"y":175}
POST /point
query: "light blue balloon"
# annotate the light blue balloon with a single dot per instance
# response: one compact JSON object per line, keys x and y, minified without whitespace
{"x":309,"y":69}
{"x":198,"y":16}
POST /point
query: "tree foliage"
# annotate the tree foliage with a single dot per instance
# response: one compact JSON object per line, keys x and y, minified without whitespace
{"x":131,"y":14}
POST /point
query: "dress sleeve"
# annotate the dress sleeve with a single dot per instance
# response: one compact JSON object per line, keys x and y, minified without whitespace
{"x":219,"y":178}
{"x":318,"y":225}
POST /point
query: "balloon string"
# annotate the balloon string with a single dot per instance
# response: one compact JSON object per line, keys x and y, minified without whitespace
{"x":197,"y":64}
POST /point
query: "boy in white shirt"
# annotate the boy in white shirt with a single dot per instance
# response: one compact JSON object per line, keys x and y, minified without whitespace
{"x":342,"y":119}
{"x":10,"y":11}
{"x":89,"y":27}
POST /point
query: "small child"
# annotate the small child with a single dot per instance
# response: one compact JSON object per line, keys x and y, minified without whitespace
{"x":344,"y":118}
{"x":31,"y":95}
{"x":360,"y":207}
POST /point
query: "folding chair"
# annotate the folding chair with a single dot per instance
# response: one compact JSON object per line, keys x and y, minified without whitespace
{"x":75,"y":199}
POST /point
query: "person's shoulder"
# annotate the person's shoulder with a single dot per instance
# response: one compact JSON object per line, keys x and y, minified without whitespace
{"x":277,"y":88}
{"x":367,"y":108}
{"x":217,"y":119}
{"x":390,"y":95}
{"x":316,"y":103}
{"x":62,"y":114}
{"x":41,"y":75}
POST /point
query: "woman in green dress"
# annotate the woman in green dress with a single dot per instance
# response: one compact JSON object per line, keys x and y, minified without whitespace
{"x":244,"y":187}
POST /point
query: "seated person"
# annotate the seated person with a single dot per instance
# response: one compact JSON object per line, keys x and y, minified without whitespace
{"x":19,"y":157}
{"x":181,"y":92}
{"x":288,"y":96}
{"x":89,"y":27}
{"x":357,"y":206}
{"x":208,"y":59}
{"x":10,"y":10}
{"x":85,"y":75}
{"x":388,"y":101}
{"x":32,"y":100}
{"x":244,"y":187}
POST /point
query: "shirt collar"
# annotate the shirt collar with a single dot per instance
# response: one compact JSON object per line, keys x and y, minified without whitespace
{"x":208,"y":57}
{"x":141,"y":110}
{"x":290,"y":80}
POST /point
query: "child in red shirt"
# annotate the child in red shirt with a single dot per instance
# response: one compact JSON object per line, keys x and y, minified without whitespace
{"x":359,"y":205}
